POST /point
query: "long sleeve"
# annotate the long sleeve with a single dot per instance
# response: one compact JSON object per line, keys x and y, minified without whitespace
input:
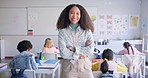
{"x":62,"y":42}
{"x":87,"y":50}
{"x":33,"y":63}
{"x":76,"y":39}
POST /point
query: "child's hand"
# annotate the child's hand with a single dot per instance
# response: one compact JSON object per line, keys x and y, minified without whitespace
{"x":87,"y":43}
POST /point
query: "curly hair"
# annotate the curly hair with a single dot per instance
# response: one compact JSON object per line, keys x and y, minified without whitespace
{"x":24,"y":45}
{"x":84,"y":22}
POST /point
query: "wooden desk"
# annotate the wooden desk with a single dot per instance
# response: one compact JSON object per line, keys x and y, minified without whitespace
{"x":49,"y":68}
{"x":3,"y":66}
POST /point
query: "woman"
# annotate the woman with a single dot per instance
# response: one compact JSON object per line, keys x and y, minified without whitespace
{"x":76,"y":42}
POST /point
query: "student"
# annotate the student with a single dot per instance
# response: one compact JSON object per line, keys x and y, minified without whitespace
{"x":76,"y":43}
{"x":105,"y":70}
{"x":113,"y":66}
{"x":49,"y":47}
{"x":22,"y":61}
{"x":108,"y":54}
{"x":128,"y":49}
{"x":26,"y":59}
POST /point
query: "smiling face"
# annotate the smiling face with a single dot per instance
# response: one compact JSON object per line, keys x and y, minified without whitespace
{"x":74,"y":15}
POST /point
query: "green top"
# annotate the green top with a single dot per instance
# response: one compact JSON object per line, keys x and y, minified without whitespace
{"x":74,"y":26}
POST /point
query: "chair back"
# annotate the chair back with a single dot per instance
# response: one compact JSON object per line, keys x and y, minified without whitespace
{"x":97,"y":74}
{"x":27,"y":72}
{"x":138,"y":61}
{"x":50,"y":56}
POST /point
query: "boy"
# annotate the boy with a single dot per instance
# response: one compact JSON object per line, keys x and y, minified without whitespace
{"x":24,"y":60}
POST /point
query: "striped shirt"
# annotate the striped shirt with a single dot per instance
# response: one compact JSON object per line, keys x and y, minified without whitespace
{"x":76,"y":38}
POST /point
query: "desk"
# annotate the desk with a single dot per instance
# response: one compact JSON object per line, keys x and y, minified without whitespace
{"x":49,"y":68}
{"x":3,"y":66}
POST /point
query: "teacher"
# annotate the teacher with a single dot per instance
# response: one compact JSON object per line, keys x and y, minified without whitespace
{"x":76,"y":43}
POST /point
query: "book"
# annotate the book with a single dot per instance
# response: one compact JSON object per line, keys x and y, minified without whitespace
{"x":51,"y":61}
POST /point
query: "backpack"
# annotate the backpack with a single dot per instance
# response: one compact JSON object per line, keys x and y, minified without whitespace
{"x":19,"y":74}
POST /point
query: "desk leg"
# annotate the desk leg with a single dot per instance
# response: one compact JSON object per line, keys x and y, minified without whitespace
{"x":53,"y":74}
{"x":59,"y":70}
{"x":38,"y":75}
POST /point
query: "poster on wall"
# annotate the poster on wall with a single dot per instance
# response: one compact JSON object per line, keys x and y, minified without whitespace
{"x":113,"y":25}
{"x":120,"y":24}
{"x":134,"y":21}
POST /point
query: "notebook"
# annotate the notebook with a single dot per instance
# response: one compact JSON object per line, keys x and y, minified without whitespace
{"x":51,"y":61}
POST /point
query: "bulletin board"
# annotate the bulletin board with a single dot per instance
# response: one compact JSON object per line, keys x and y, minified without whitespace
{"x":13,"y":21}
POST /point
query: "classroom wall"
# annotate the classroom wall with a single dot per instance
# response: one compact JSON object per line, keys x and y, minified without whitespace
{"x":144,"y":17}
{"x":144,"y":21}
{"x":106,"y":7}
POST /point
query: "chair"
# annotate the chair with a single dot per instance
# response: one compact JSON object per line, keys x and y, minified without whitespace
{"x":97,"y":74}
{"x":138,"y":63}
{"x":144,"y":44}
{"x":50,"y":56}
{"x":7,"y":73}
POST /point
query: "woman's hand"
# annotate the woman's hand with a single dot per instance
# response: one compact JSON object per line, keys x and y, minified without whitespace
{"x":70,"y":48}
{"x":81,"y":56}
{"x":87,"y":43}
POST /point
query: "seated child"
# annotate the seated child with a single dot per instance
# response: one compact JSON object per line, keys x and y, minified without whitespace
{"x":49,"y":47}
{"x":128,"y":49}
{"x":113,"y":66}
{"x":108,"y":54}
{"x":24,"y":60}
{"x":105,"y":70}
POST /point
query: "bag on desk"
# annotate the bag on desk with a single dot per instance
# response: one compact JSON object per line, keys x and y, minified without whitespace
{"x":19,"y":74}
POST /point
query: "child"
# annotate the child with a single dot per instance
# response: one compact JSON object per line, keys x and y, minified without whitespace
{"x":105,"y":70}
{"x":113,"y":66}
{"x":128,"y":49}
{"x":49,"y":47}
{"x":26,"y":59}
{"x":108,"y":54}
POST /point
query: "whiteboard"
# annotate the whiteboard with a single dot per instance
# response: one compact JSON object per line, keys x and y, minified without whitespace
{"x":43,"y":20}
{"x":13,"y":21}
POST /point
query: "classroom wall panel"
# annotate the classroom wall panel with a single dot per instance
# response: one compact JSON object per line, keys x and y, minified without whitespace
{"x":43,"y":20}
{"x":13,"y":21}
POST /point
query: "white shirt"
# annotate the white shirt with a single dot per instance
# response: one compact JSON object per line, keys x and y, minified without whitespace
{"x":68,"y":36}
